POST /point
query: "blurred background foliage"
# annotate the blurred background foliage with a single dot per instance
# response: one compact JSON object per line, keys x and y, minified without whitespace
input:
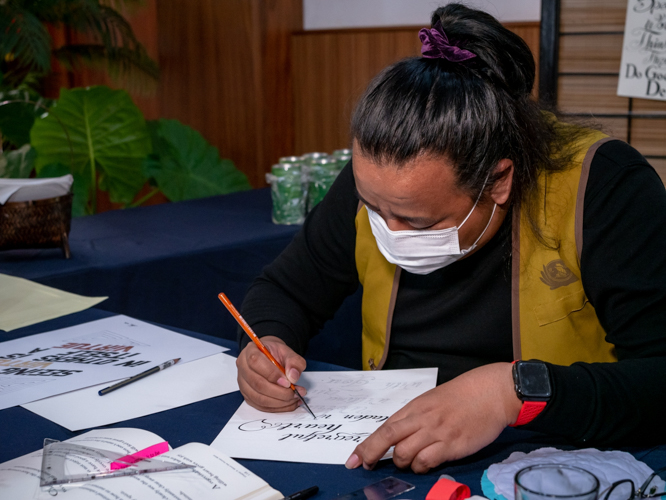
{"x":27,"y":46}
{"x":97,"y":134}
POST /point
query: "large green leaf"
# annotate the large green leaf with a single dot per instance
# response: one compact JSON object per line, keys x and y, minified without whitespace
{"x":185,"y":166}
{"x":108,"y":136}
{"x":17,"y":164}
{"x":80,"y":188}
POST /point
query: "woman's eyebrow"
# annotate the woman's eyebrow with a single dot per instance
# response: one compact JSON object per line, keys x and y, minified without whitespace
{"x":417,"y":220}
{"x":374,"y":209}
{"x":421,"y":221}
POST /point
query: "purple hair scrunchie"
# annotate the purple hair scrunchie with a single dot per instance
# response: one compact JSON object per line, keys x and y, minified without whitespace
{"x":436,"y":45}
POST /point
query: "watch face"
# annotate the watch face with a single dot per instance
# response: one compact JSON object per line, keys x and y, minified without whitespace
{"x":532,"y":380}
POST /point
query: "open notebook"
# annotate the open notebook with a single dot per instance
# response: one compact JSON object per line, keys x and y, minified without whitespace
{"x":216,"y":476}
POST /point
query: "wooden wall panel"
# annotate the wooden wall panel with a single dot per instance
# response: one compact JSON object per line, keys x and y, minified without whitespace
{"x":584,"y":94}
{"x":648,"y":105}
{"x":331,"y":71}
{"x":279,"y":22}
{"x":225,"y":72}
{"x":332,"y":68}
{"x":206,"y":81}
{"x":591,"y":54}
{"x":592,"y":15}
{"x":649,"y":136}
{"x":615,"y":127}
{"x":660,"y":167}
{"x":590,"y":49}
{"x":531,"y":33}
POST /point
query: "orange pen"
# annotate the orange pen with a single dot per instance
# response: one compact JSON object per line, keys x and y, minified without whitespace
{"x":241,"y":321}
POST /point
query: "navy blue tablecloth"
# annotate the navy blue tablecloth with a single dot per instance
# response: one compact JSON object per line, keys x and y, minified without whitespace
{"x":167,"y":263}
{"x":22,"y":432}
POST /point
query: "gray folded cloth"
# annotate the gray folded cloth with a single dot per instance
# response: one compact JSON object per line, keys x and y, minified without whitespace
{"x":12,"y":190}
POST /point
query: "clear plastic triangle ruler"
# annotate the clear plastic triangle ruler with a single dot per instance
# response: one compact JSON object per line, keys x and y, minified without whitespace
{"x":64,"y":463}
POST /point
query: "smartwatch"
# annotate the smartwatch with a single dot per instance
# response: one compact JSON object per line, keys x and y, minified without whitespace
{"x":531,"y":380}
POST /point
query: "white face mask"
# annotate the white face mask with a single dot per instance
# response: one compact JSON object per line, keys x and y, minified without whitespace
{"x":421,"y":251}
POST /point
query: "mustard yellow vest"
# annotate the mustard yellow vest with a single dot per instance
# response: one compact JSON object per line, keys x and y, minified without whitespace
{"x":552,"y":318}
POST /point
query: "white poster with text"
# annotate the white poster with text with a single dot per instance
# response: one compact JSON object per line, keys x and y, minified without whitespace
{"x":643,"y":67}
{"x":106,"y":350}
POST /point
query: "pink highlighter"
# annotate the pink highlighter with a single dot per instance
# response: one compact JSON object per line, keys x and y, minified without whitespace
{"x":150,"y":452}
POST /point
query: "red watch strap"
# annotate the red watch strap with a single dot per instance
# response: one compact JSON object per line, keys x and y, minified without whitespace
{"x":528,"y":412}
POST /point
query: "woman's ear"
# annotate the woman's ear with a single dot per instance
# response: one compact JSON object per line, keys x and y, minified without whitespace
{"x":501,"y":189}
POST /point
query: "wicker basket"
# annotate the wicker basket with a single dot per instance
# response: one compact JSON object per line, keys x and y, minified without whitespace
{"x":36,"y":224}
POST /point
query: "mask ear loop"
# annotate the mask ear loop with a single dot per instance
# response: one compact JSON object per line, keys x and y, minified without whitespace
{"x":484,"y":229}
{"x":476,"y":203}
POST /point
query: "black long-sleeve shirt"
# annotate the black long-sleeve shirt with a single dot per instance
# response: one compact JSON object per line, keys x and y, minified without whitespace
{"x":459,"y":317}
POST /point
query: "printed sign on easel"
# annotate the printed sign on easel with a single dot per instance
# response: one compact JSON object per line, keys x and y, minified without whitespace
{"x":643,"y":67}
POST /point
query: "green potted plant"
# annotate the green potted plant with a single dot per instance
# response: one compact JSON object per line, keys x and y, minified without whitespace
{"x":100,"y":137}
{"x":26,"y":46}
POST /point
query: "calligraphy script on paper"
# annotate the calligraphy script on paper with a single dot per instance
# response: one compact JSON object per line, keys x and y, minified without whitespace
{"x":340,"y":395}
{"x":74,"y":353}
{"x":60,"y":361}
{"x":643,"y":67}
{"x":349,"y":406}
{"x":311,"y":431}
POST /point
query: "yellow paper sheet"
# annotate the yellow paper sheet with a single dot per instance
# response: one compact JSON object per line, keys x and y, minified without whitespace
{"x":24,"y":302}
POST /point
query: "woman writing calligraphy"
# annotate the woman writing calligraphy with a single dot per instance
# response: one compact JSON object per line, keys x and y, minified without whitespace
{"x":483,"y":231}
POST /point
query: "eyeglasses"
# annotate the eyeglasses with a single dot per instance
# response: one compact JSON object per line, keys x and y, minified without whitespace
{"x":654,"y":486}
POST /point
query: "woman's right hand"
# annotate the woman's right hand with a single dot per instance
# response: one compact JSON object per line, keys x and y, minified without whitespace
{"x":262,"y":384}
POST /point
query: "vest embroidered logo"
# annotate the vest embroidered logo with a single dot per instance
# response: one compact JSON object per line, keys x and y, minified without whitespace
{"x":556,"y":274}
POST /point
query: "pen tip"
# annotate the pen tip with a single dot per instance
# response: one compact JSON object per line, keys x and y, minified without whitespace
{"x":176,"y":360}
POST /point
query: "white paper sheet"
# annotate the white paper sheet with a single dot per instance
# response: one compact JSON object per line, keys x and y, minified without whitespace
{"x":177,"y":386}
{"x":215,"y":477}
{"x":349,"y":406}
{"x":24,"y":302}
{"x":105,"y":350}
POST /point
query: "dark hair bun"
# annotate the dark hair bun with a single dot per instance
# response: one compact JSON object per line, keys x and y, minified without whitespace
{"x":473,"y":113}
{"x":502,"y":55}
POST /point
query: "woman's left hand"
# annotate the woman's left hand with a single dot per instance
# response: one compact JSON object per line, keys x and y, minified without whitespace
{"x":446,"y":423}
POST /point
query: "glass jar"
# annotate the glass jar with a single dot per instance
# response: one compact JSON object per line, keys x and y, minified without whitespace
{"x":321,"y":175}
{"x":287,"y":193}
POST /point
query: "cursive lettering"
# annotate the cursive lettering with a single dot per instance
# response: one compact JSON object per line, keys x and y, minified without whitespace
{"x":650,"y":6}
{"x":359,"y":418}
{"x":327,"y":436}
{"x":261,"y":425}
{"x":651,"y":73}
